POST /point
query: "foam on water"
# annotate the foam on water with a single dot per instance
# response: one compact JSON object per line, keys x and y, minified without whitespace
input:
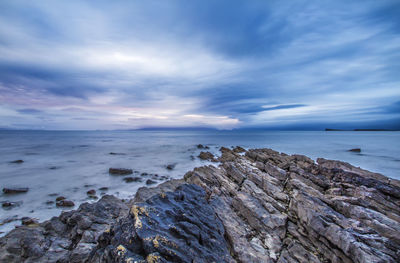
{"x":69,"y":163}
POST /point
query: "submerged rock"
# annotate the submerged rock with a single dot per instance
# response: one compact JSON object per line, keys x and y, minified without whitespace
{"x":357,"y":150}
{"x":113,"y":153}
{"x":120,"y":171}
{"x":132,"y":179}
{"x":17,"y":161}
{"x":9,"y":204}
{"x":263,"y":206}
{"x":170,"y":166}
{"x":17,"y":190}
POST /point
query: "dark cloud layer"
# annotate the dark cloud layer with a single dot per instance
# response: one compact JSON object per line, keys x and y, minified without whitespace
{"x":251,"y":64}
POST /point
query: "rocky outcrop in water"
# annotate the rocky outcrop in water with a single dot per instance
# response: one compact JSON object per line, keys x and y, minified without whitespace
{"x":262,"y":206}
{"x":17,"y":161}
{"x":16,"y":190}
{"x":71,"y":237}
{"x":120,"y":171}
{"x":207,"y":156}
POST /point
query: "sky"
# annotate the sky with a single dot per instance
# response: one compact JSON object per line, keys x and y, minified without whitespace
{"x":204,"y":63}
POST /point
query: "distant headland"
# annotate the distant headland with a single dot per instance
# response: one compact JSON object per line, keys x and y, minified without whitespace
{"x":327,"y":129}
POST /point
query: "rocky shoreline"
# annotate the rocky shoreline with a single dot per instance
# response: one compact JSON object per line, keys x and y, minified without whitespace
{"x":256,"y":206}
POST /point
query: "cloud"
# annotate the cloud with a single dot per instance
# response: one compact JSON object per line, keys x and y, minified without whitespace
{"x":138,"y":64}
{"x":279,"y":107}
{"x":29,"y":111}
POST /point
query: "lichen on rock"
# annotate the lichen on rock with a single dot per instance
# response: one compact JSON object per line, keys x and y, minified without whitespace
{"x":256,"y":206}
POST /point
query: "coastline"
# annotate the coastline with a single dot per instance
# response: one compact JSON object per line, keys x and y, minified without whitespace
{"x":256,"y":206}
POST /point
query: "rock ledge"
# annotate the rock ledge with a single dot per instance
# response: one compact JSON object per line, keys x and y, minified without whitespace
{"x":262,"y":206}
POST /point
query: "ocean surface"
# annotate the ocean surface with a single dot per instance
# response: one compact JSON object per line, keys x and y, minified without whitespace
{"x":69,"y":163}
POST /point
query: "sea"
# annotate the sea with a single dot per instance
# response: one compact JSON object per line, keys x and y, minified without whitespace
{"x":69,"y":163}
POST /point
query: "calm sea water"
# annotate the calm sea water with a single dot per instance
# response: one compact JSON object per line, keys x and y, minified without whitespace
{"x":69,"y":163}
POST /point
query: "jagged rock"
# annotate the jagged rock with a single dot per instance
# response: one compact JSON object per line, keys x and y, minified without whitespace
{"x":178,"y":226}
{"x":15,"y":190}
{"x":264,"y":206}
{"x":144,"y":193}
{"x":280,"y":208}
{"x":201,"y":146}
{"x":227,"y":155}
{"x":71,"y":237}
{"x":239,"y":149}
{"x":207,"y":156}
{"x":103,"y":188}
{"x":120,"y":171}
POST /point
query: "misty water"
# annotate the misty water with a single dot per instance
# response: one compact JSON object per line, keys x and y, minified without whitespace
{"x":69,"y":163}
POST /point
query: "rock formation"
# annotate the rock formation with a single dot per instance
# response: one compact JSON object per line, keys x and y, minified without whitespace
{"x":120,"y":171}
{"x":17,"y":190}
{"x":262,"y":206}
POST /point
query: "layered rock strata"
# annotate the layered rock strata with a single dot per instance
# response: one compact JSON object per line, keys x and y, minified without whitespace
{"x":257,"y":206}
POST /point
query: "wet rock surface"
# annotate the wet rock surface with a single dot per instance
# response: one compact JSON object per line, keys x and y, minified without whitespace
{"x":16,"y":190}
{"x":132,"y":179}
{"x":356,"y":150}
{"x":26,"y":221}
{"x":91,"y":192}
{"x":65,"y":203}
{"x":239,"y":149}
{"x":170,"y":166}
{"x":201,"y":146}
{"x":260,"y":206}
{"x":71,"y":237}
{"x":207,"y":156}
{"x":17,"y":161}
{"x":150,"y":182}
{"x":9,"y":204}
{"x":120,"y":171}
{"x":177,"y":226}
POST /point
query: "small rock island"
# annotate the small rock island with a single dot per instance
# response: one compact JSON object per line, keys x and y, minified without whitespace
{"x":258,"y":206}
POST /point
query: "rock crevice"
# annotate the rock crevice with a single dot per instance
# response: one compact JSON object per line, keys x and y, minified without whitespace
{"x":256,"y":206}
